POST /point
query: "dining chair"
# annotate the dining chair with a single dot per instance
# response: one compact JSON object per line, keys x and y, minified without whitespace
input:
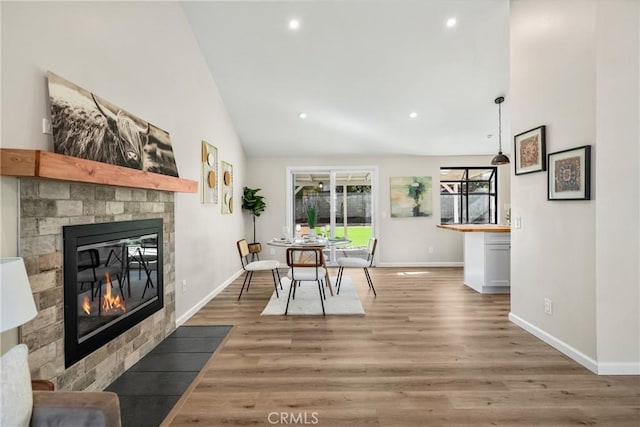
{"x":305,"y":265}
{"x":357,"y":262}
{"x":250,"y":266}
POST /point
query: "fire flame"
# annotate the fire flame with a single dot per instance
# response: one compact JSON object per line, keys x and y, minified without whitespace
{"x":86,"y":305}
{"x":108,"y":301}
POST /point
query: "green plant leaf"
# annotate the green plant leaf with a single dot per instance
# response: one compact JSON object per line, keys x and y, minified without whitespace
{"x":253,"y":202}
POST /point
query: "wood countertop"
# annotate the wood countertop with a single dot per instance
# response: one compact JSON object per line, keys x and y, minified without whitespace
{"x":477,"y":228}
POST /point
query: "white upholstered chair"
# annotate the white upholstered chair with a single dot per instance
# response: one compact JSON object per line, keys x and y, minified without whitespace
{"x":356,"y":262}
{"x":305,"y":265}
{"x":249,"y":267}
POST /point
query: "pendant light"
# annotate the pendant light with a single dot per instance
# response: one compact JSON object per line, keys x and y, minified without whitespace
{"x":500,"y":159}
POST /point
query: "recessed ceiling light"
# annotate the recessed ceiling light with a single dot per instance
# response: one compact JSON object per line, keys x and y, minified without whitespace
{"x":451,"y":22}
{"x":294,"y":24}
{"x":302,"y":115}
{"x":413,"y":115}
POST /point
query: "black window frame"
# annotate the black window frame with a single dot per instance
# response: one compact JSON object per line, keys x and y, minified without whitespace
{"x":464,"y":193}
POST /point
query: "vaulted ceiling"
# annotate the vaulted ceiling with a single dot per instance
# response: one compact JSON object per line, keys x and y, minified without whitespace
{"x":357,"y":69}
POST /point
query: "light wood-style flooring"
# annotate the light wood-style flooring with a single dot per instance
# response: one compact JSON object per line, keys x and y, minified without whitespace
{"x":428,"y":352}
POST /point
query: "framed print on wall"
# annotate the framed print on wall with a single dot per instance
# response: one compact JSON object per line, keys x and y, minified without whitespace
{"x":88,"y":126}
{"x":569,"y":174}
{"x":530,"y":151}
{"x":227,"y":187}
{"x":209,"y":165}
{"x":411,"y":196}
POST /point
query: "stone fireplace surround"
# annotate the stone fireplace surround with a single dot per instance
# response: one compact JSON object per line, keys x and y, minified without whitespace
{"x":45,"y":207}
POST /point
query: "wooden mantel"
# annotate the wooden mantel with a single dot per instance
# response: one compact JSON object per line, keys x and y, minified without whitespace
{"x":45,"y":164}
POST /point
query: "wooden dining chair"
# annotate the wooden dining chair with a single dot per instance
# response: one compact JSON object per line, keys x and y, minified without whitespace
{"x":356,"y":262}
{"x":305,"y":265}
{"x":250,"y":266}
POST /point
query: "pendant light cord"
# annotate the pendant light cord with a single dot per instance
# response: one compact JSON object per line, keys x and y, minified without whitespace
{"x":500,"y":127}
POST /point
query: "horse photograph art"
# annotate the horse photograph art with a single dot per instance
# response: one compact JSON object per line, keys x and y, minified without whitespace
{"x":89,"y":127}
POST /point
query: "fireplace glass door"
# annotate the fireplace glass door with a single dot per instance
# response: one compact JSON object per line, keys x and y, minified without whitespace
{"x":113,"y":280}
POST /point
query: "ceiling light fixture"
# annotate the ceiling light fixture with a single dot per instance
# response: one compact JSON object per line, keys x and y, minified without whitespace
{"x":320,"y":185}
{"x":294,"y":24}
{"x":413,"y":115}
{"x":451,"y":22}
{"x":302,"y":115}
{"x":500,"y":159}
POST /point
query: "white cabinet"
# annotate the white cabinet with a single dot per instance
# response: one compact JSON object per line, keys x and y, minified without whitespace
{"x":487,"y":261}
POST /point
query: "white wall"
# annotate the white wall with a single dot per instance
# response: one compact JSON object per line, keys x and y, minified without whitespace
{"x":402,"y":241}
{"x":570,"y":72}
{"x":617,"y":206}
{"x":141,"y":56}
{"x":553,"y":84}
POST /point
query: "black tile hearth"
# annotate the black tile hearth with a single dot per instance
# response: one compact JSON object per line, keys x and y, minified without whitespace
{"x":200,"y":331}
{"x":145,"y":410}
{"x":171,"y":362}
{"x":151,"y":387}
{"x":152,"y":383}
{"x":188,"y":345}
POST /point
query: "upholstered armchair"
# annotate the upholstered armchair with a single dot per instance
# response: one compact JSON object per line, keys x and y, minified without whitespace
{"x":73,"y":408}
{"x":24,"y":403}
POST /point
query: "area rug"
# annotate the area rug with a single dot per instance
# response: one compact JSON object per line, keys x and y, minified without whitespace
{"x":307,"y":302}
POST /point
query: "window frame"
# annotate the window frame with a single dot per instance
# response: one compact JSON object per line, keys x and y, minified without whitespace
{"x":464,"y":194}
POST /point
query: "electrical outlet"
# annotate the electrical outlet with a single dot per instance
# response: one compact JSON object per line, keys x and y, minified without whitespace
{"x":548,"y":306}
{"x":430,"y":249}
{"x":184,"y":286}
{"x":46,"y":126}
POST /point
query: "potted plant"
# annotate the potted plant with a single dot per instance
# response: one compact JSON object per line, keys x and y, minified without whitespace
{"x":312,"y":216}
{"x":255,"y":204}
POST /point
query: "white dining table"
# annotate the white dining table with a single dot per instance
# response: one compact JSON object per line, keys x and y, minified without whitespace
{"x":318,"y":242}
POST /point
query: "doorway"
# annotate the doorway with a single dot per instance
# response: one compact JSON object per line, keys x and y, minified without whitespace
{"x":345,"y":202}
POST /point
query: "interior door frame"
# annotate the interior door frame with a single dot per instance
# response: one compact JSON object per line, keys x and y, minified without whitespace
{"x":331,"y":170}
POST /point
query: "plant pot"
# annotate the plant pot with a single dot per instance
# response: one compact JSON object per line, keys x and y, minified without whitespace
{"x":255,"y":248}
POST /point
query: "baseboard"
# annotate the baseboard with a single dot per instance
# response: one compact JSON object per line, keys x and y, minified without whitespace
{"x":419,"y":264}
{"x":193,"y":310}
{"x":554,"y":342}
{"x":622,"y":368}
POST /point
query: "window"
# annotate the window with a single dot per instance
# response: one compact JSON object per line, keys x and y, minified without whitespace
{"x":468,"y":195}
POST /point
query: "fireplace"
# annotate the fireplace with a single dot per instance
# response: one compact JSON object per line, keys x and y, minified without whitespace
{"x":113,"y":279}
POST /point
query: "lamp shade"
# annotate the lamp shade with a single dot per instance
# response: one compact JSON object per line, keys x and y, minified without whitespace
{"x":16,"y":301}
{"x":500,"y":159}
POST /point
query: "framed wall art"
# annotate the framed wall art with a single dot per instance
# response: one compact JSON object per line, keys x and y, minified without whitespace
{"x":411,"y":196}
{"x":227,"y":187}
{"x":90,"y":127}
{"x":530,"y":151}
{"x":569,"y":174}
{"x":209,"y":176}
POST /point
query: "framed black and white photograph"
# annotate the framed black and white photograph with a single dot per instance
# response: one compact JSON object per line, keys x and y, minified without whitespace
{"x":530,"y":151}
{"x":569,"y":175}
{"x":90,"y":127}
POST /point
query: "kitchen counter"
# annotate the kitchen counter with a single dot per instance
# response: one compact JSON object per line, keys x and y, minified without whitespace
{"x":487,"y":256}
